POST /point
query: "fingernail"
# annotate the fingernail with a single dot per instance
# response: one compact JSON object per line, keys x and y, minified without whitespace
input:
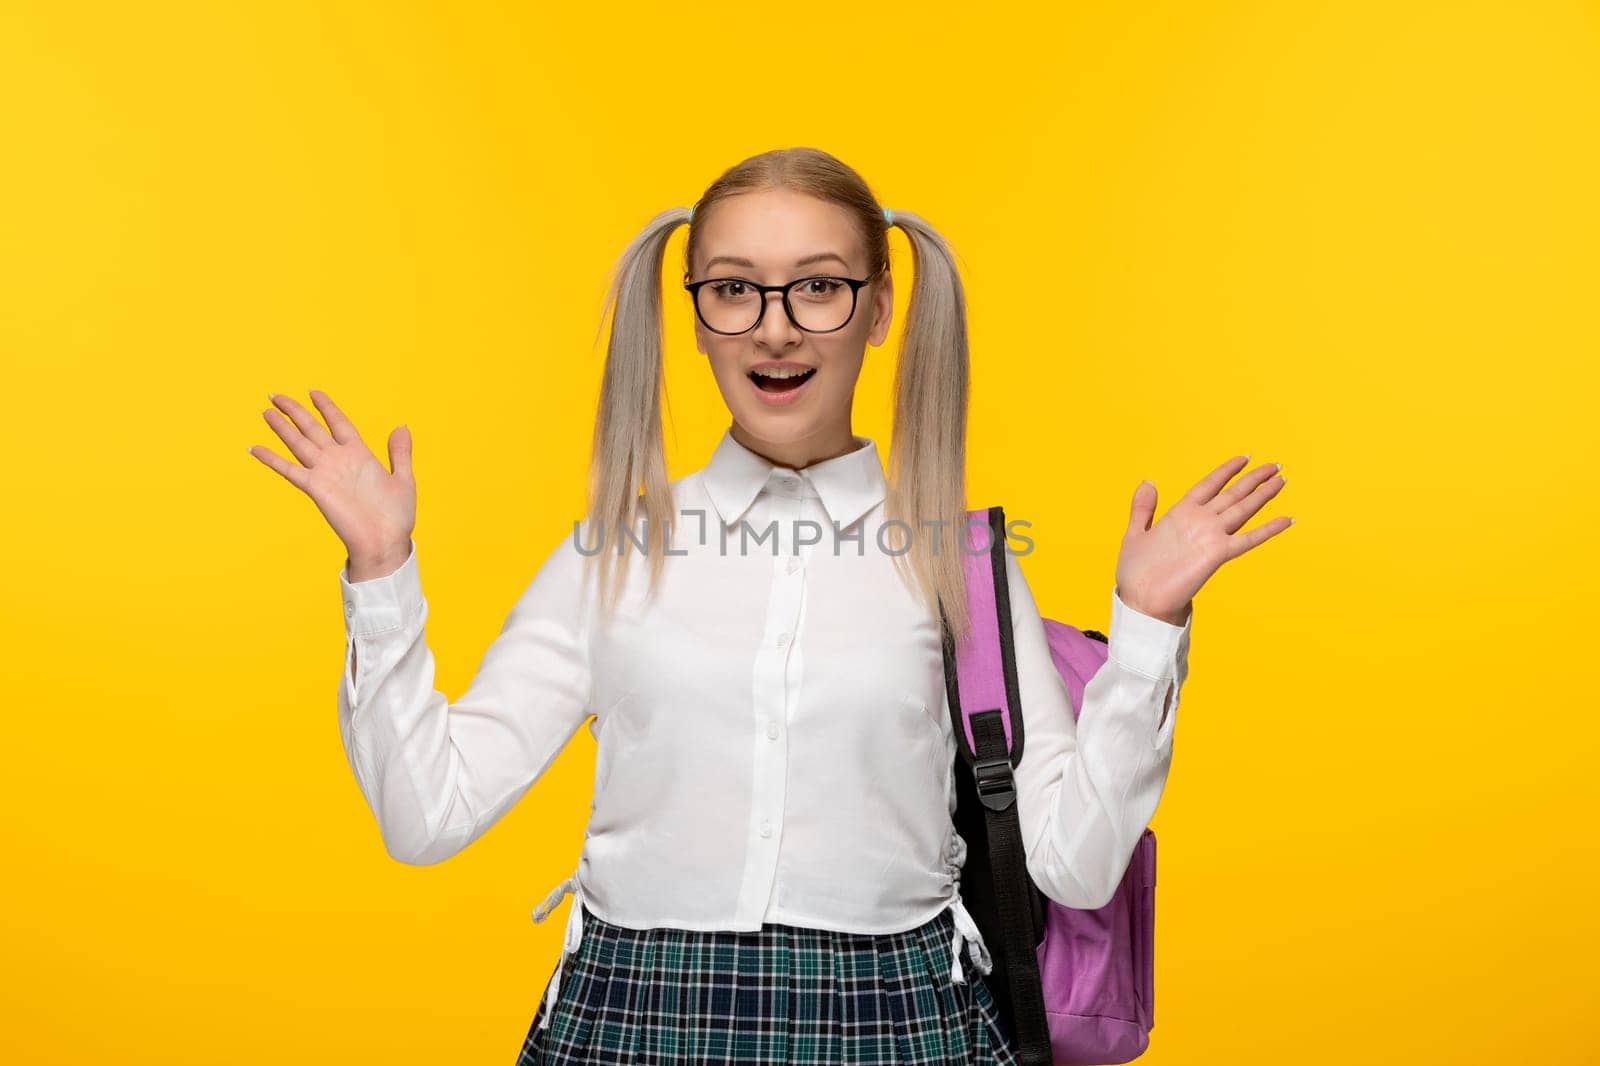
{"x":1276,"y":467}
{"x":272,"y":397}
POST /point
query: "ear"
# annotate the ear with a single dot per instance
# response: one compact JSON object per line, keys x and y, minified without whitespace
{"x":882,"y":309}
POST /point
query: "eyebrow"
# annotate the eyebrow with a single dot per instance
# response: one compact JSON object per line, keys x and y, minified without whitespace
{"x":807,"y":261}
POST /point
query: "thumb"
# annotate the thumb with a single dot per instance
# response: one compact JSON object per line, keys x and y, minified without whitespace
{"x":1144,"y":507}
{"x":400,"y":452}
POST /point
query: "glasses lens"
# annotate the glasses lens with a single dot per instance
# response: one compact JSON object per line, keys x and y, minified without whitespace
{"x":821,"y":304}
{"x":728,"y":305}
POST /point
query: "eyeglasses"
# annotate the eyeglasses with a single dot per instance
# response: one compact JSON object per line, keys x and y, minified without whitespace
{"x":822,"y":303}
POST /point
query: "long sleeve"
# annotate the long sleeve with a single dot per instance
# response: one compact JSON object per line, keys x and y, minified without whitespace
{"x":438,"y":774}
{"x":1088,"y":788}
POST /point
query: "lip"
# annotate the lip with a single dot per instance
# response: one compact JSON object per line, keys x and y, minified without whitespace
{"x":779,"y":364}
{"x":780,"y":399}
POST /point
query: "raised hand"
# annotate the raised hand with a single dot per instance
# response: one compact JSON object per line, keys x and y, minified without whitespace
{"x":1160,"y":568}
{"x":371,"y":510}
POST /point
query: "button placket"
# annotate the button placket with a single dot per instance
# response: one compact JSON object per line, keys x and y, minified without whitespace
{"x":774,"y":694}
{"x":787,"y":596}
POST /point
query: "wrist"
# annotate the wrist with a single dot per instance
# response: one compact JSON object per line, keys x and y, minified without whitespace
{"x":368,"y":566}
{"x":1171,"y":616}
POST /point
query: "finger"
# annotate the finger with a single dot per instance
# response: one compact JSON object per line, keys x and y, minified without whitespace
{"x":343,"y":430}
{"x":1143,"y":507}
{"x":400,"y":453}
{"x":1240,"y":543}
{"x":304,"y":420}
{"x":1240,"y":513}
{"x":299,"y":447}
{"x":1243,"y":487}
{"x":1212,"y":483}
{"x":293,"y":473}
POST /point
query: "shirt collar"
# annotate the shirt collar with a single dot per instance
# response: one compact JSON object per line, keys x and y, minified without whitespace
{"x":848,"y":485}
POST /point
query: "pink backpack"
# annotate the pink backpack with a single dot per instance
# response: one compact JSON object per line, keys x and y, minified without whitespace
{"x":1075,"y":986}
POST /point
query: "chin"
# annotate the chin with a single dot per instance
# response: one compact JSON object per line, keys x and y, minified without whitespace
{"x":779,"y":427}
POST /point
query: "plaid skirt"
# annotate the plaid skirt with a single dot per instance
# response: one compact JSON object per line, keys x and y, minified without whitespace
{"x":783,"y":994}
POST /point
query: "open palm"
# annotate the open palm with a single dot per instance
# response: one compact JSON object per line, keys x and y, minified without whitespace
{"x":1160,"y":568}
{"x":372,"y":510}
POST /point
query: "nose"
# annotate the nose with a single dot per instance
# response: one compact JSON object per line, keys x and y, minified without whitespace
{"x":775,"y":330}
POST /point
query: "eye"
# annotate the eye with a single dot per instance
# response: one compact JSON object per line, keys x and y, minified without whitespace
{"x":819,"y":288}
{"x":730,"y":289}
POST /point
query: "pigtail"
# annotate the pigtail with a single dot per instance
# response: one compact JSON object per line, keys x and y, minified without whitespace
{"x":627,"y":449}
{"x":927,"y":459}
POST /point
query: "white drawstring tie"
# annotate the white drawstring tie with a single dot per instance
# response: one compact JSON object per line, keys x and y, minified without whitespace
{"x":967,"y":930}
{"x":574,"y":936}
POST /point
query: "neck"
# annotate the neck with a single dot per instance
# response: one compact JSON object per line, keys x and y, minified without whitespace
{"x":799,"y":454}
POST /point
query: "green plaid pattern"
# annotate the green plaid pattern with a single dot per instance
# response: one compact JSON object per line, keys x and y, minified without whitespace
{"x":781,"y":995}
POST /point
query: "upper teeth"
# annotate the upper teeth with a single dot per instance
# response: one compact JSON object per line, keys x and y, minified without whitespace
{"x":782,"y":372}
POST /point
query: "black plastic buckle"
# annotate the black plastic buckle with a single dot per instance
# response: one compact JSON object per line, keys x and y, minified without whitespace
{"x":997,"y":787}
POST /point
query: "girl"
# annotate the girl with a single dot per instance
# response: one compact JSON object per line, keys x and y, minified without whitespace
{"x":770,"y":873}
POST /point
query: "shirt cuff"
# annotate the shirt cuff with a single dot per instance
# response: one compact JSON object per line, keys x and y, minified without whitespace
{"x":381,"y":604}
{"x":1143,"y":643}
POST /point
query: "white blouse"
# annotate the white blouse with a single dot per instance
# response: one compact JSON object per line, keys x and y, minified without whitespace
{"x":774,"y":738}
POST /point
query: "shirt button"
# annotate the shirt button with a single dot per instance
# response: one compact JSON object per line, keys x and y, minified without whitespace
{"x":783,"y":638}
{"x":349,"y":609}
{"x":794,"y":564}
{"x":766,"y":828}
{"x":772,"y":730}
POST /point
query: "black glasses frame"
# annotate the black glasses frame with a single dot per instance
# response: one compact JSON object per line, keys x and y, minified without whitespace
{"x":855,"y":284}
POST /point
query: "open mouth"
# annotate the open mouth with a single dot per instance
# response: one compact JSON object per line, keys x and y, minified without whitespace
{"x":768,"y":382}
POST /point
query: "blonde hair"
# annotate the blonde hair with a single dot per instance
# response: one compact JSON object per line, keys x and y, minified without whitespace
{"x":927,"y":457}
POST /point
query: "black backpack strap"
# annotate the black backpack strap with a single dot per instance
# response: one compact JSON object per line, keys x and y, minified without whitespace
{"x":1018,"y":902}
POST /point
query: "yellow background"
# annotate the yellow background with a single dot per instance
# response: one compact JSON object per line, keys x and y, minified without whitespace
{"x":1358,"y":238}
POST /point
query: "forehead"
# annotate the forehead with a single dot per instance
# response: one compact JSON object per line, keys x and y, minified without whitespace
{"x":776,"y":230}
